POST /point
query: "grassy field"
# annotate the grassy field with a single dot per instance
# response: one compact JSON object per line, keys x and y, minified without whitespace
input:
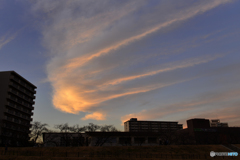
{"x":119,"y":153}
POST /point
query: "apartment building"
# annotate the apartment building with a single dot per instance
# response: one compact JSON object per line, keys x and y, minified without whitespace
{"x":133,"y":125}
{"x":16,"y":108}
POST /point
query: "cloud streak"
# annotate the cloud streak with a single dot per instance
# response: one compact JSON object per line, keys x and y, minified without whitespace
{"x":8,"y":37}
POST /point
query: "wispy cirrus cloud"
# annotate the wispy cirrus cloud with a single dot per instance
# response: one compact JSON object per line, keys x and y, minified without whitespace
{"x":80,"y":34}
{"x":8,"y":37}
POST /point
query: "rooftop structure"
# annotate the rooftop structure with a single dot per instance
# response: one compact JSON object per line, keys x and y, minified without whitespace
{"x":216,"y":123}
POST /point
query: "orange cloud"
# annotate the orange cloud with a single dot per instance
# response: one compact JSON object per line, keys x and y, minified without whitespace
{"x":95,"y":116}
{"x":67,"y":99}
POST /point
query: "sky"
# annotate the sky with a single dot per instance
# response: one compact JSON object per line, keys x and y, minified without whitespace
{"x":107,"y":61}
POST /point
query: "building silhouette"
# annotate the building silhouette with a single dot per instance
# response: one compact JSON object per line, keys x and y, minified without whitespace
{"x":16,"y":106}
{"x":133,"y":125}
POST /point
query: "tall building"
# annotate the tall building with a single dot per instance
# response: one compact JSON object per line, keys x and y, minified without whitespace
{"x":133,"y":125}
{"x":16,"y":106}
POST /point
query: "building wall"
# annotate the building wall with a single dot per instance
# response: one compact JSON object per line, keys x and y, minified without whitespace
{"x":124,"y":141}
{"x":64,"y":139}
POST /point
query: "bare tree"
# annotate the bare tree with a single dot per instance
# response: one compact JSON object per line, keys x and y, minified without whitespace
{"x":36,"y":131}
{"x":63,"y":127}
{"x":92,"y":127}
{"x":108,"y":128}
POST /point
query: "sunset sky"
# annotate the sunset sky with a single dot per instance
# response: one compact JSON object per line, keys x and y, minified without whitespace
{"x":106,"y":61}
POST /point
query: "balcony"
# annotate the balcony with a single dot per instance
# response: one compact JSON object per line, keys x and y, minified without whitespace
{"x":9,"y":119}
{"x":25,"y":98}
{"x":31,"y":113}
{"x":13,"y":84}
{"x":7,"y":134}
{"x":25,"y":117}
{"x":17,"y":115}
{"x":14,"y":99}
{"x":21,"y":103}
{"x":10,"y":112}
{"x":16,"y":128}
{"x":26,"y":124}
{"x":15,"y":78}
{"x":19,"y":108}
{"x":29,"y":92}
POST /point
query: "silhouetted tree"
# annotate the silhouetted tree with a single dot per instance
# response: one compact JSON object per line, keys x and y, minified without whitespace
{"x":92,"y":127}
{"x":36,"y":131}
{"x":108,"y":128}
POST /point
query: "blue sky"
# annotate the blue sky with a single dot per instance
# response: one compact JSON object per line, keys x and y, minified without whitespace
{"x":107,"y":61}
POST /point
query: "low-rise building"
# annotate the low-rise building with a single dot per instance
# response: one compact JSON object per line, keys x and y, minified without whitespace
{"x":123,"y":138}
{"x":55,"y":139}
